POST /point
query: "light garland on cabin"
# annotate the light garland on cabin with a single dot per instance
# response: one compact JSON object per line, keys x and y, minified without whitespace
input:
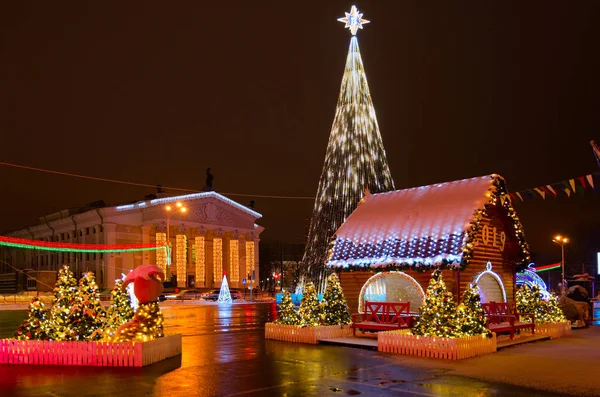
{"x":234,"y":260}
{"x":250,"y":257}
{"x":200,"y":260}
{"x":488,"y":271}
{"x":355,"y":158}
{"x":181,"y":258}
{"x":217,"y":259}
{"x":161,"y":255}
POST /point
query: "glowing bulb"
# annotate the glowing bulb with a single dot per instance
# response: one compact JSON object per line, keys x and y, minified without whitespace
{"x":178,"y":204}
{"x":168,"y":208}
{"x":183,"y":209}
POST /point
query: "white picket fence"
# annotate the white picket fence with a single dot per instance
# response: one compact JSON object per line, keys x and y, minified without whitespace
{"x":295,"y":333}
{"x":102,"y":354}
{"x":554,"y":330}
{"x":403,"y":342}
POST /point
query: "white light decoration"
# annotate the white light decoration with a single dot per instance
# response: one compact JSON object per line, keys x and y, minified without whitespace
{"x":234,"y":260}
{"x":250,"y":257}
{"x":161,"y":254}
{"x":181,"y":259}
{"x":488,"y":271}
{"x":224,"y":294}
{"x":353,"y":20}
{"x":598,"y":263}
{"x":217,"y":258}
{"x":200,"y":259}
{"x":355,"y":158}
{"x":132,"y":298}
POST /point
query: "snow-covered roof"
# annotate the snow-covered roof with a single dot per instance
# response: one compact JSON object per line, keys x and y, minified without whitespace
{"x":424,"y":225}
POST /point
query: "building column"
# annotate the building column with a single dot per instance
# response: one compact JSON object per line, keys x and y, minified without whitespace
{"x":200,"y":259}
{"x":110,"y":237}
{"x":234,"y":261}
{"x":181,"y":260}
{"x":217,"y":258}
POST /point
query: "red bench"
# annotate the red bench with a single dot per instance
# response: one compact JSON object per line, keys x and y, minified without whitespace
{"x":503,"y":317}
{"x":382,"y":316}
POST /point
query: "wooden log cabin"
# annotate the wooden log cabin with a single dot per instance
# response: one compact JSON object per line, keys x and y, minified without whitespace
{"x":388,"y":247}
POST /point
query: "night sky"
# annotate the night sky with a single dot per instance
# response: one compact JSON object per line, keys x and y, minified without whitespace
{"x":156,"y":92}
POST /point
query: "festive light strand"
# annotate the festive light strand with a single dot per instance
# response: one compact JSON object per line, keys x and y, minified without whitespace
{"x":71,"y":247}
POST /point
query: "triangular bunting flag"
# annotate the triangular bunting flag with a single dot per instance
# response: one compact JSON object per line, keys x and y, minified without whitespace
{"x":590,"y":180}
{"x":551,"y":190}
{"x":582,"y":181}
{"x":568,"y":192}
{"x":519,"y":195}
{"x":541,"y":192}
{"x":572,"y":183}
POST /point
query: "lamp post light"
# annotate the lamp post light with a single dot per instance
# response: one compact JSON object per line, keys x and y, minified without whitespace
{"x":561,"y":240}
{"x":170,"y":211}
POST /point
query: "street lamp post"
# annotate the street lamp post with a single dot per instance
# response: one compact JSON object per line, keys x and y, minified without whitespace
{"x":170,"y":211}
{"x":561,"y":240}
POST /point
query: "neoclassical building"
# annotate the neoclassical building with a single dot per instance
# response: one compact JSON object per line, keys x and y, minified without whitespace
{"x":214,"y":236}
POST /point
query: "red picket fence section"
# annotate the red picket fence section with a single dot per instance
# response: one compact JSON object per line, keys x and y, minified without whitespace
{"x":100,"y":354}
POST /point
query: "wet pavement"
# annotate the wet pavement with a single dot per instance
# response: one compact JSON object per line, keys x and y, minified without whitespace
{"x":225,"y":354}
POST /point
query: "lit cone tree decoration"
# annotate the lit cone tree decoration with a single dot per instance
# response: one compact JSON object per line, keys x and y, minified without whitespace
{"x":147,"y":323}
{"x":471,"y":316}
{"x":287,"y":313}
{"x":530,"y":301}
{"x":355,"y":158}
{"x":120,"y":311}
{"x":334,"y":308}
{"x":65,"y":292}
{"x":87,"y":315}
{"x":310,"y":310}
{"x":224,"y":294}
{"x":438,"y":313}
{"x":36,"y":326}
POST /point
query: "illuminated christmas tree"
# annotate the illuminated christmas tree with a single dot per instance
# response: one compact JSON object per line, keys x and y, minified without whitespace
{"x":438,"y":313}
{"x":334,"y":308}
{"x":310,"y":310}
{"x":471,"y":318}
{"x":87,"y":315}
{"x":224,"y":294}
{"x":355,"y":158}
{"x":530,"y":301}
{"x":36,"y":326}
{"x":287,"y":313}
{"x":65,"y":292}
{"x":120,"y":310}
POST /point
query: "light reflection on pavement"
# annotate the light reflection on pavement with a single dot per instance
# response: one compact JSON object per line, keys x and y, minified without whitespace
{"x":225,"y":354}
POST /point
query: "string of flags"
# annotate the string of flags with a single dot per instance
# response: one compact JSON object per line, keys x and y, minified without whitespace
{"x":567,"y":188}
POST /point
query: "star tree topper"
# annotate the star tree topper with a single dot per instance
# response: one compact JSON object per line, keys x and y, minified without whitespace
{"x":353,"y":20}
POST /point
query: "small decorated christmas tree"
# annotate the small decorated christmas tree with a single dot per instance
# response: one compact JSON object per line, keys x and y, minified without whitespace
{"x":36,"y":326}
{"x":530,"y":301}
{"x":471,"y":318}
{"x":87,"y":316}
{"x":65,"y":292}
{"x":120,"y":311}
{"x":287,"y":313}
{"x":224,"y":294}
{"x":310,"y":310}
{"x":554,"y":312}
{"x":334,"y":308}
{"x":438,"y":313}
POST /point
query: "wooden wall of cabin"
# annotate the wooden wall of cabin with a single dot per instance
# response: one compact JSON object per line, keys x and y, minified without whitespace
{"x":495,"y":243}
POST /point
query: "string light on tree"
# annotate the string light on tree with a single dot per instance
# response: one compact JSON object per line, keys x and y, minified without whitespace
{"x":37,"y":325}
{"x":355,"y":157}
{"x":120,"y":310}
{"x":65,"y":293}
{"x":224,"y":294}
{"x":438,"y":314}
{"x":310,"y":310}
{"x":333,"y":305}
{"x":287,"y":313}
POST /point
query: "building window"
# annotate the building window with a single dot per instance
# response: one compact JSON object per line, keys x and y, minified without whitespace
{"x":87,"y":231}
